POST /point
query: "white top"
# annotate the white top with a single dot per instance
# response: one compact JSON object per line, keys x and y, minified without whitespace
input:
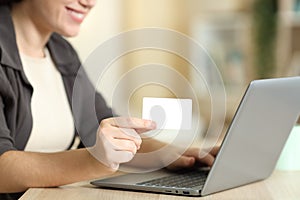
{"x":53,"y":125}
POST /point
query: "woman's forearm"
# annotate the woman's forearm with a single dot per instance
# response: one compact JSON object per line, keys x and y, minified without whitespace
{"x":21,"y":170}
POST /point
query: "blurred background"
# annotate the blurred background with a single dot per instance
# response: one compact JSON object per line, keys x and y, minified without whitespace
{"x":247,"y":39}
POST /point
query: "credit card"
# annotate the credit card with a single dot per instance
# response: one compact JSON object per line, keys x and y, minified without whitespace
{"x":168,"y":113}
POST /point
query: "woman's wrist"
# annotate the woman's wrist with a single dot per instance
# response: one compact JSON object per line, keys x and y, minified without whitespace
{"x":98,"y":168}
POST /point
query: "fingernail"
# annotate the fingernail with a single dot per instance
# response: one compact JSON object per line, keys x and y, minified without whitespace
{"x":191,"y":161}
{"x":114,"y":166}
{"x":151,"y":124}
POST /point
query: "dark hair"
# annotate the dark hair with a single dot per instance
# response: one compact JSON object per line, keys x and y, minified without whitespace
{"x":8,"y":2}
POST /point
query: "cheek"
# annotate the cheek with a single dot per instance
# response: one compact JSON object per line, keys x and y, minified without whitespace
{"x":48,"y":18}
{"x":62,"y":23}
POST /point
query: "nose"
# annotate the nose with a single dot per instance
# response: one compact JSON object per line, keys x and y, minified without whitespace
{"x":88,"y":3}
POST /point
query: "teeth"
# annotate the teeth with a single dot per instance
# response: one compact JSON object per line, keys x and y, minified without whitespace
{"x":79,"y":15}
{"x":76,"y":14}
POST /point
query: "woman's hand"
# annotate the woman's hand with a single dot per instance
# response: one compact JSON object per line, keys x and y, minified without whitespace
{"x":118,"y":140}
{"x":195,"y":157}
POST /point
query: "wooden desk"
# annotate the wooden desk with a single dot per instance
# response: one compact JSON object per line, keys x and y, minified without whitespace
{"x":281,"y":185}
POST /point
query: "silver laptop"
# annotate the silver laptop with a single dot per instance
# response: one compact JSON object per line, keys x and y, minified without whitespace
{"x":249,"y":151}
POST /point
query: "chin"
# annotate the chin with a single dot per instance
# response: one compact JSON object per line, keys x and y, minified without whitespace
{"x":69,"y":33}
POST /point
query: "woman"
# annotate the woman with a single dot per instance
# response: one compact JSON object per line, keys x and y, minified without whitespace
{"x":37,"y":71}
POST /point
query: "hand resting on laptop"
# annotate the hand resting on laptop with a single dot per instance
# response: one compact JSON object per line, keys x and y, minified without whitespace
{"x":195,"y":157}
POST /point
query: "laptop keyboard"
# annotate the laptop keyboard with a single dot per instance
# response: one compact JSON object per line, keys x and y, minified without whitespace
{"x":181,"y":180}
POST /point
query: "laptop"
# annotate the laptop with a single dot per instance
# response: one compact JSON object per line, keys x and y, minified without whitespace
{"x":249,"y":152}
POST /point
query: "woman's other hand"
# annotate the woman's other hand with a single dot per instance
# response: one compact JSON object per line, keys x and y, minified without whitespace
{"x":195,"y":157}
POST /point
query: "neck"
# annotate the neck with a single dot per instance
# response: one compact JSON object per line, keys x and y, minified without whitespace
{"x":31,"y":39}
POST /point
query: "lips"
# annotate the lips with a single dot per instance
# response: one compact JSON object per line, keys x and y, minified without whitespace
{"x":77,"y":15}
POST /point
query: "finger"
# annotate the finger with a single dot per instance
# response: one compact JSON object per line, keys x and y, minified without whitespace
{"x":135,"y":123}
{"x":124,"y":145}
{"x":140,"y":131}
{"x":132,"y":135}
{"x":108,"y":155}
{"x":121,"y":156}
{"x":205,"y":158}
{"x":201,"y":156}
{"x":112,"y":133}
{"x":214,"y":151}
{"x":182,"y":162}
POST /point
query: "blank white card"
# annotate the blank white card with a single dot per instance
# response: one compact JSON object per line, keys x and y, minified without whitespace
{"x":168,"y":113}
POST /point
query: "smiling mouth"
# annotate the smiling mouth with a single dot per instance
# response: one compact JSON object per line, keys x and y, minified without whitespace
{"x":76,"y":15}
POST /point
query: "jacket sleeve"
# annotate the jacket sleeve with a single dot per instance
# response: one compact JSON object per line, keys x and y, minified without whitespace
{"x":6,"y":141}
